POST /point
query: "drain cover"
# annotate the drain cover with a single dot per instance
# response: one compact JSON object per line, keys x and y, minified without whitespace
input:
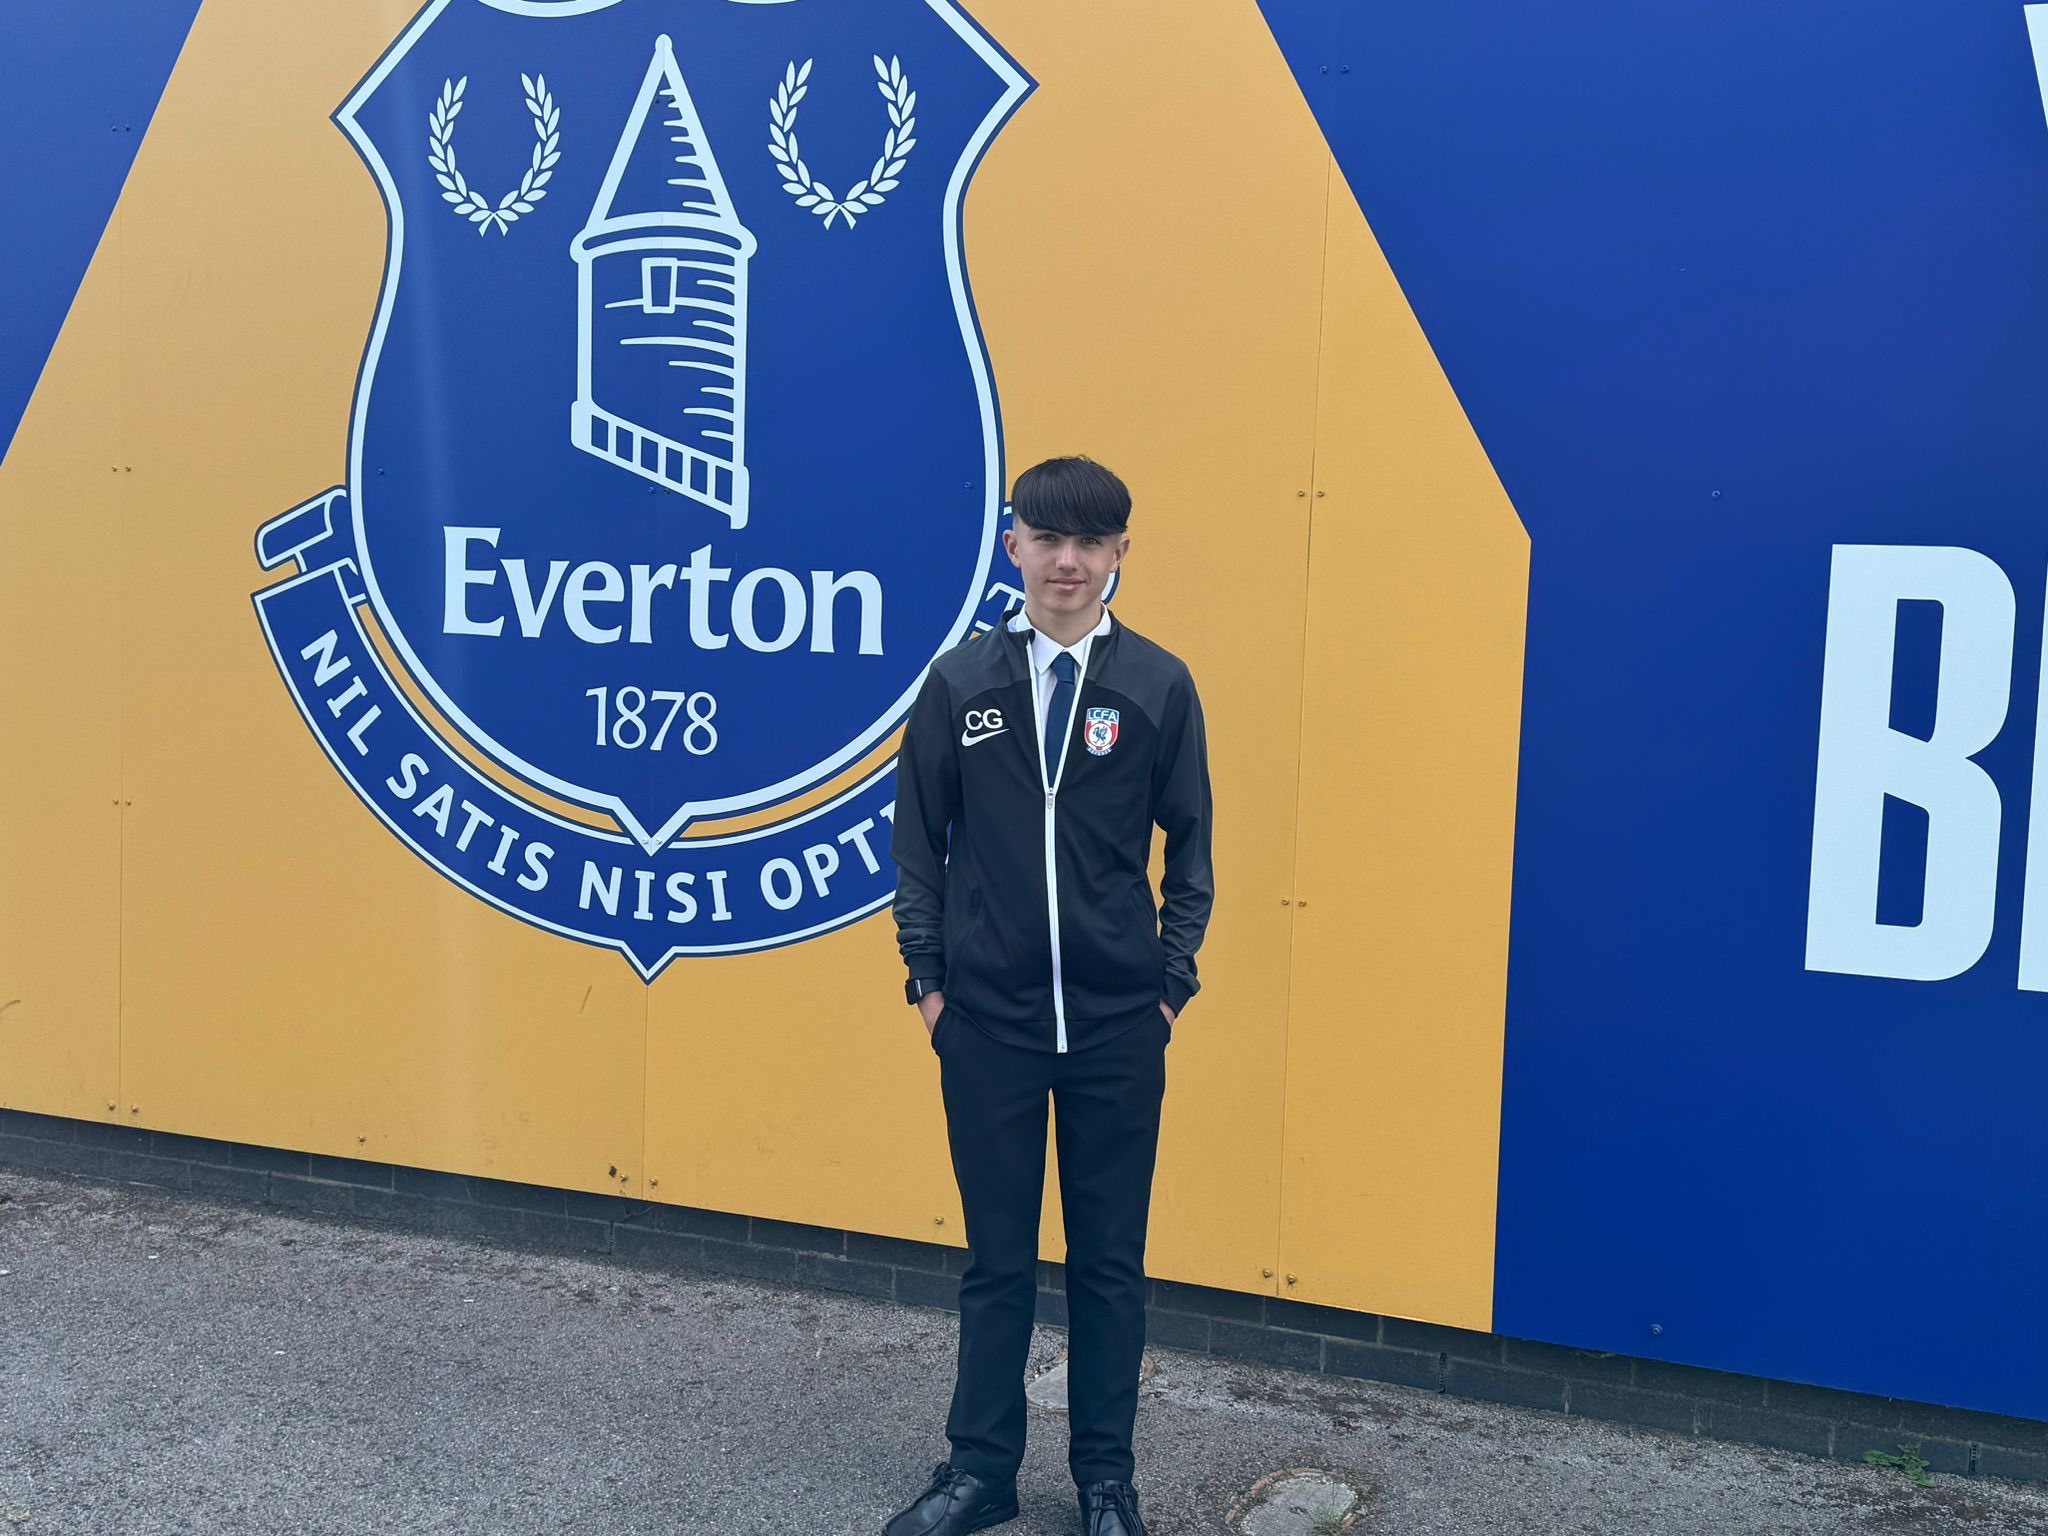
{"x":1299,"y":1502}
{"x":1048,"y":1389}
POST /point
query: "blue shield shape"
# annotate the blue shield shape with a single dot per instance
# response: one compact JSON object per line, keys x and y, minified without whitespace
{"x":675,"y":457}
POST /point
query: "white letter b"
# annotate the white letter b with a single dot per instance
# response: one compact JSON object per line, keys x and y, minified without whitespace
{"x":1862,"y":759}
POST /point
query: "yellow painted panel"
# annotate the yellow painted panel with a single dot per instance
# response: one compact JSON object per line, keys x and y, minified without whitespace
{"x":293,"y":976}
{"x":60,"y":727}
{"x":1412,"y":700}
{"x":1134,"y":313}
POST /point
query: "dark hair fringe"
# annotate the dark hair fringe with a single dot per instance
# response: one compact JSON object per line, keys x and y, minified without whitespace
{"x":1072,"y":495}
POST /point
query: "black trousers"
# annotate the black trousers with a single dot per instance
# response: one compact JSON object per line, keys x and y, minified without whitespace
{"x":1106,"y":1102}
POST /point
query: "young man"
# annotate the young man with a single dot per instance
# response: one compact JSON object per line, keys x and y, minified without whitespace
{"x":1035,"y":765}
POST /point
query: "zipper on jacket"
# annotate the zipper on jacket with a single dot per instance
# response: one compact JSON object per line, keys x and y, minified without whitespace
{"x":1052,"y":789}
{"x":1052,"y":875}
{"x":1052,"y":912}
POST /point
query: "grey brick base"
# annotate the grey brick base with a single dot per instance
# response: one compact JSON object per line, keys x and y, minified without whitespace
{"x":1267,"y":1329}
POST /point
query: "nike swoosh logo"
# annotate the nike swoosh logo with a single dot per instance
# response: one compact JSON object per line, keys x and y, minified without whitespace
{"x":968,"y":741}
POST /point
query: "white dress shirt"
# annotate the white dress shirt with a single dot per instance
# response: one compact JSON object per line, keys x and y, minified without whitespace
{"x":1042,"y":651}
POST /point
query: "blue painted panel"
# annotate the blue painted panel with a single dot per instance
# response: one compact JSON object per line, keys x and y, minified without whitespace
{"x":83,"y":79}
{"x":1721,"y":286}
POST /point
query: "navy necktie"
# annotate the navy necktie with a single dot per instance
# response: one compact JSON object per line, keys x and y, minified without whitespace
{"x":1058,"y":713}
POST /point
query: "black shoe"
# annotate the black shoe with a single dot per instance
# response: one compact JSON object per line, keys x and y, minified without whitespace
{"x":1110,"y":1509}
{"x":956,"y":1502}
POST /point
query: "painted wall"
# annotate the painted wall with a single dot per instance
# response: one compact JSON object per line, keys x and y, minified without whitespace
{"x":1729,"y":292}
{"x":1308,"y":277}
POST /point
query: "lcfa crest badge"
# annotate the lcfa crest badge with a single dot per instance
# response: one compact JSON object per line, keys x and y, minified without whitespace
{"x":674,"y":458}
{"x":1099,"y":734}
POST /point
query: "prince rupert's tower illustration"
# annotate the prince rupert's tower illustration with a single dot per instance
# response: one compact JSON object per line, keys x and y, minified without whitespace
{"x":662,"y":287}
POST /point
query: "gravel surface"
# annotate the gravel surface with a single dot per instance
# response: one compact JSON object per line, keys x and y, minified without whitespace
{"x":169,"y":1364}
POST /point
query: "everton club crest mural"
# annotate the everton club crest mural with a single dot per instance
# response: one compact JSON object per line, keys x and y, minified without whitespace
{"x":674,"y":457}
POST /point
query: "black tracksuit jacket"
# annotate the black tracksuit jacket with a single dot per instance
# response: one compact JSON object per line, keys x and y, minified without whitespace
{"x":992,"y":861}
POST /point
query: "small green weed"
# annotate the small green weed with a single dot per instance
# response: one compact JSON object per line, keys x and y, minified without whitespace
{"x":1907,"y":1461}
{"x":1327,"y":1525}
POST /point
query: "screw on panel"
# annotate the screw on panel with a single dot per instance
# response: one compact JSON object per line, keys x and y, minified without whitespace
{"x":1302,"y":903}
{"x":1656,"y":1328}
{"x":938,"y":1221}
{"x":1285,"y":902}
{"x":654,"y":1183}
{"x":1292,"y":1278}
{"x":134,"y":1109}
{"x":1717,"y":495}
{"x":1267,"y":1273}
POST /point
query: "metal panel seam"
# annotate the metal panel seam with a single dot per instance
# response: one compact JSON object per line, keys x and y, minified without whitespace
{"x":1308,"y":556}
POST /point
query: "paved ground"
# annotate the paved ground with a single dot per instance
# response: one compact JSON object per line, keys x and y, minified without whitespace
{"x":170,"y":1365}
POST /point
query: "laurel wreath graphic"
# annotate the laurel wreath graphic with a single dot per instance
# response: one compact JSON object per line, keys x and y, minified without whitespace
{"x":863,"y":196}
{"x":533,"y":186}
